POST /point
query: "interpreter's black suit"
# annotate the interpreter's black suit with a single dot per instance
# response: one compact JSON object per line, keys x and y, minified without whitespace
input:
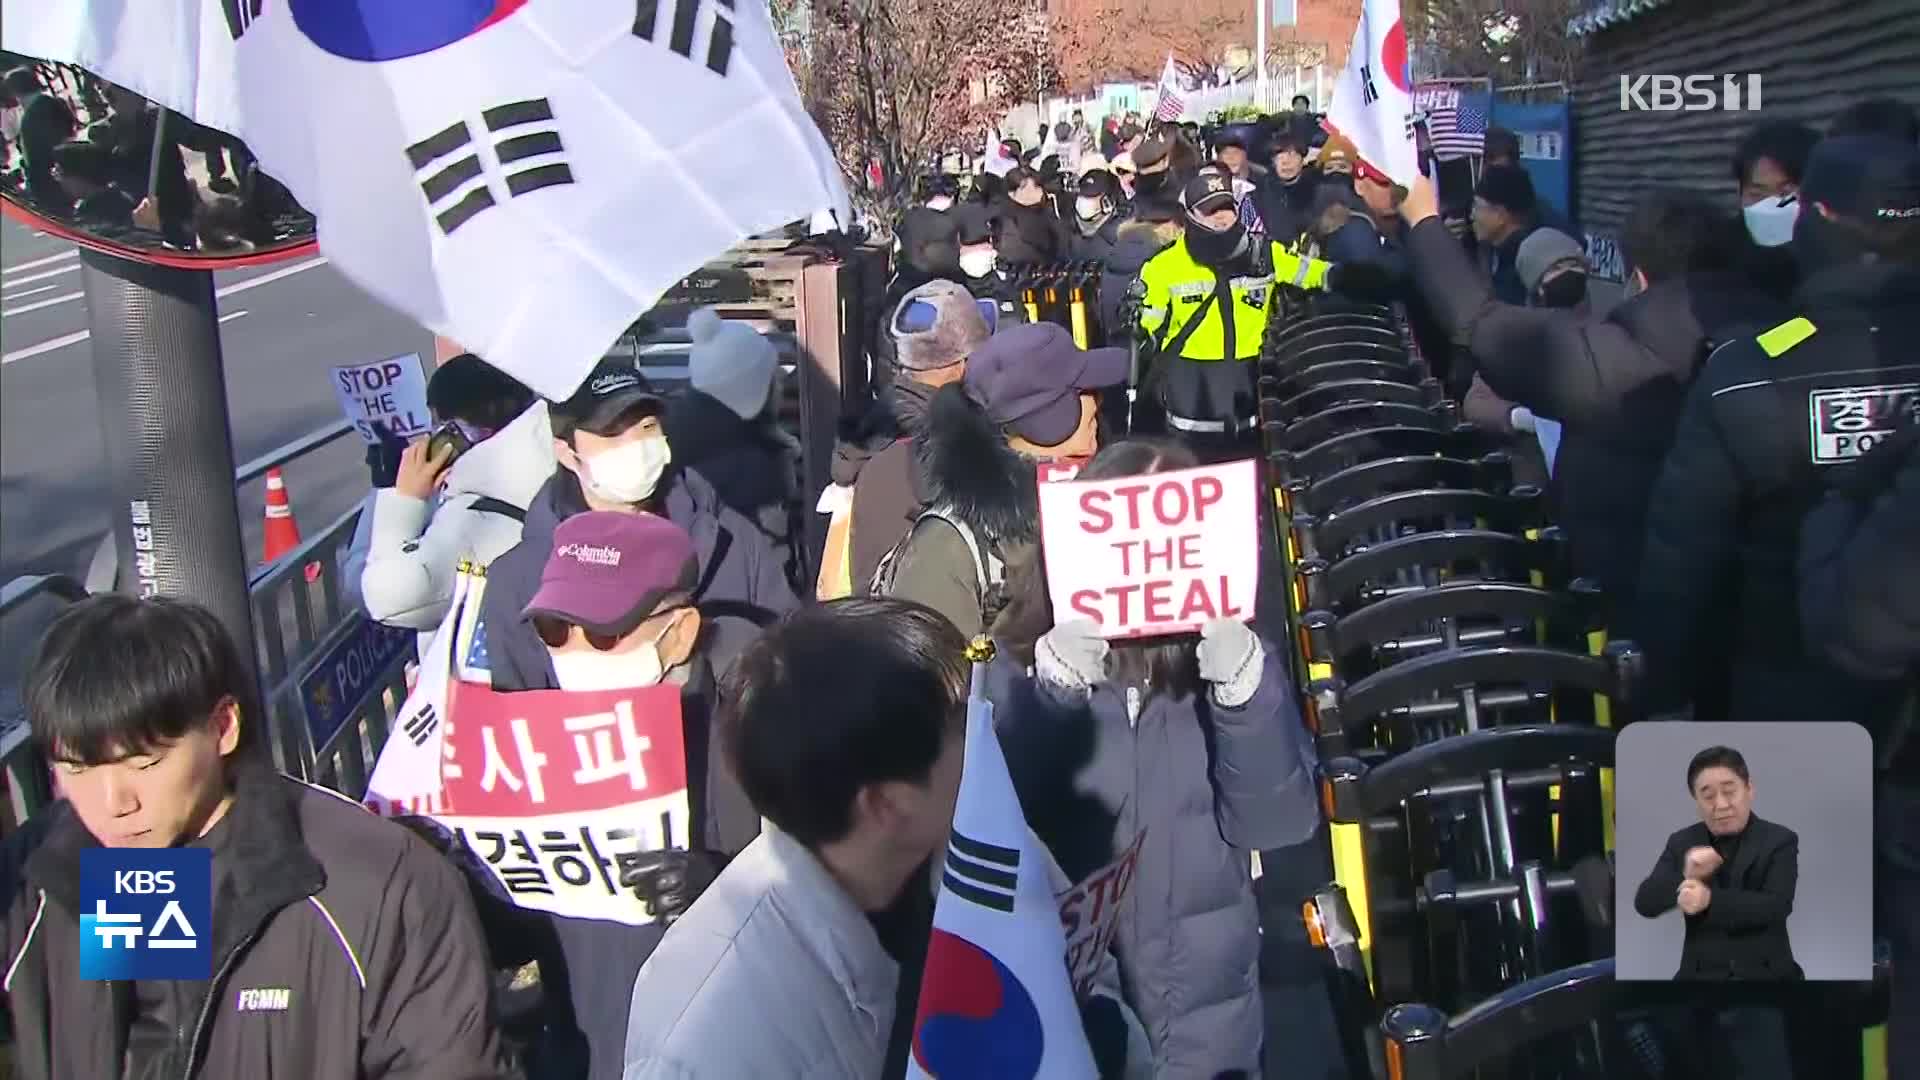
{"x":1743,"y":932}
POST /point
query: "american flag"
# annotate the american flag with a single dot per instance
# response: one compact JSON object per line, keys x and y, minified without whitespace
{"x":1457,"y":124}
{"x":1171,"y":106}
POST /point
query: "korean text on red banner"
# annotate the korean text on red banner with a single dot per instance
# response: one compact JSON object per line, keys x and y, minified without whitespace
{"x":557,"y":791}
{"x":1142,"y":556}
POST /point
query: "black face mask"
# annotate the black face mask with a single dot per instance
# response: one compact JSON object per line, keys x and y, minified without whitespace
{"x":1819,"y":244}
{"x":1210,"y":248}
{"x":1339,"y":181}
{"x":1565,"y":291}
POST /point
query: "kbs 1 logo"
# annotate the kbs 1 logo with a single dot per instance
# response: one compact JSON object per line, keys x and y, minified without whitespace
{"x":1690,"y":93}
{"x":146,"y":914}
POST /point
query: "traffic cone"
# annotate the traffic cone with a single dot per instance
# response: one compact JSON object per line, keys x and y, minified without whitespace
{"x":282,"y":533}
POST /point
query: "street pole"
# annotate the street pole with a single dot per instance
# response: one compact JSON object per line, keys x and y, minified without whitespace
{"x":162,"y":394}
{"x":1260,"y":51}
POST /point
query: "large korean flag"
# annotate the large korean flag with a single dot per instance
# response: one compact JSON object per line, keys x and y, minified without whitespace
{"x":1373,"y":97}
{"x":996,"y":1001}
{"x":525,"y":177}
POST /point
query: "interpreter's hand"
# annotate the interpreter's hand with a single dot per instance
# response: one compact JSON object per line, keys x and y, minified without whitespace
{"x":1702,"y":861}
{"x":1072,"y":656}
{"x":1106,"y":1030}
{"x":419,"y":473}
{"x":1232,"y":660}
{"x":1421,"y":203}
{"x":1694,"y":896}
{"x":669,"y":881}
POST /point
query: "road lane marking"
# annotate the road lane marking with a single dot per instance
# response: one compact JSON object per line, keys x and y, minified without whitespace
{"x":22,"y":309}
{"x":30,"y":292}
{"x":79,"y":336}
{"x":266,"y":279}
{"x":47,"y":346}
{"x":42,"y":275}
{"x":232,"y":315}
{"x":70,"y":253}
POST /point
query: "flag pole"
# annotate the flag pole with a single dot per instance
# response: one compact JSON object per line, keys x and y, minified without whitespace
{"x":980,"y":653}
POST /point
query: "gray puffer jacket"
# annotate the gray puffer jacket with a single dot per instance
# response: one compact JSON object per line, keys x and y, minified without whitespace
{"x":1200,"y":786}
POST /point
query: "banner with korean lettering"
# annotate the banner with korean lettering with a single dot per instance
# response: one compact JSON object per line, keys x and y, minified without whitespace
{"x":1143,"y":556}
{"x":557,"y":791}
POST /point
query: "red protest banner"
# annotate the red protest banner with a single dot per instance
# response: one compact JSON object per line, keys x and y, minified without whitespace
{"x":543,"y":752}
{"x":1148,"y":555}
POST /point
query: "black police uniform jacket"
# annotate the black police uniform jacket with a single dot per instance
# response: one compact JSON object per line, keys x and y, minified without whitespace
{"x":1742,"y":934}
{"x":1768,"y":420}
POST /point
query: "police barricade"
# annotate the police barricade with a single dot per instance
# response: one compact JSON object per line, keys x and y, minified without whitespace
{"x":1458,"y":680}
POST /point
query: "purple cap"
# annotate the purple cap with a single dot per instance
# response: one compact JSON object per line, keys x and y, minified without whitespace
{"x":610,"y":571}
{"x":1029,"y":378}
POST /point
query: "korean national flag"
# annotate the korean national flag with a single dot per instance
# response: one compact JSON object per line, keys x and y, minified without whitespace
{"x":996,"y":1002}
{"x":525,"y":177}
{"x":1373,"y":97}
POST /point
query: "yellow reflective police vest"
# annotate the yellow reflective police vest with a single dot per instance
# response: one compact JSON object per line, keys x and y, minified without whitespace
{"x":1179,"y":290}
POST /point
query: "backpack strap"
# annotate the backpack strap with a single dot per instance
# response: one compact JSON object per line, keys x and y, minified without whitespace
{"x":988,"y":569}
{"x":487,"y":504}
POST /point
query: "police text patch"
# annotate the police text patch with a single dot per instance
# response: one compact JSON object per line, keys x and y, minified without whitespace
{"x":1845,"y":423}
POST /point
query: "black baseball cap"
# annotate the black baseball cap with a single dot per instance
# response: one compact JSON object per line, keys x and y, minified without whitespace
{"x":1028,"y":378}
{"x":1097,"y":184}
{"x":614,"y":389}
{"x":1869,"y":178}
{"x":1208,"y":192}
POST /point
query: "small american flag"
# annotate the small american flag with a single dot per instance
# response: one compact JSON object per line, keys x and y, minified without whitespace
{"x":1171,"y":106}
{"x":1457,"y":125}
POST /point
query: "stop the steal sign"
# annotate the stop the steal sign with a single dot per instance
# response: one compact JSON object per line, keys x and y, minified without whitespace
{"x":1147,"y":555}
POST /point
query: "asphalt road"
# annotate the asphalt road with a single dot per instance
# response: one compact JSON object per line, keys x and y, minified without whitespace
{"x":282,"y":326}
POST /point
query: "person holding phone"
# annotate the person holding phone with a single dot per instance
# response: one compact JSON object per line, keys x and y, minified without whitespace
{"x":460,"y":493}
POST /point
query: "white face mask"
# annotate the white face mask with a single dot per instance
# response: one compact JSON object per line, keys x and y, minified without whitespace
{"x":590,"y":669}
{"x":977,"y":263}
{"x":1770,"y":221}
{"x":939,"y":202}
{"x":628,"y":473}
{"x":1088,"y":209}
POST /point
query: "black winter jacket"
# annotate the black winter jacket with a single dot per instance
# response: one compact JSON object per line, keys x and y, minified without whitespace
{"x":1769,"y":419}
{"x":1200,"y":787}
{"x":1860,"y":565}
{"x":743,"y":583}
{"x":369,"y":932}
{"x":1286,"y":209}
{"x":752,"y":466}
{"x":1615,"y":383}
{"x":1743,"y":932}
{"x":1030,"y":235}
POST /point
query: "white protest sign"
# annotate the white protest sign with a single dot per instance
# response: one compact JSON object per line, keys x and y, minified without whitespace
{"x":392,"y":392}
{"x":570,"y":864}
{"x":1090,"y":914}
{"x":1147,"y":555}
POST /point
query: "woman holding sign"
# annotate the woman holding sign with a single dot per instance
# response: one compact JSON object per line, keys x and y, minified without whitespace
{"x":1151,"y":766}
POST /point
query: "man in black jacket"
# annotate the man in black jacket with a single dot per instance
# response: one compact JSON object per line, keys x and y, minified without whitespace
{"x":1615,"y":383}
{"x":1771,"y":416}
{"x":341,"y":945}
{"x":1733,"y":877}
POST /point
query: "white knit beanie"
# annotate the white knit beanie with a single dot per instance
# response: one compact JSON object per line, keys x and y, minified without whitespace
{"x":730,"y":363}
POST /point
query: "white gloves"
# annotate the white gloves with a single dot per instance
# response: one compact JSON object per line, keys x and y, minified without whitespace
{"x":1521,"y":418}
{"x":1071,"y":657}
{"x":1232,"y":660}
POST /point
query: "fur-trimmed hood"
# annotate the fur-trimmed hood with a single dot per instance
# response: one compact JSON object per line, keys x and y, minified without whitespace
{"x":969,"y":467}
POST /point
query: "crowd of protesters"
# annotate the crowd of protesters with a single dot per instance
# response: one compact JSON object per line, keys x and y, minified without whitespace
{"x":636,"y":537}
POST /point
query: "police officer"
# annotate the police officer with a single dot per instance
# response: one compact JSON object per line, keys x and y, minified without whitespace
{"x":1206,"y":301}
{"x":1769,"y":418}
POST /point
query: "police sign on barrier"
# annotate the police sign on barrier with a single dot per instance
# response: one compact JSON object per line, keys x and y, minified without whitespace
{"x":336,"y":683}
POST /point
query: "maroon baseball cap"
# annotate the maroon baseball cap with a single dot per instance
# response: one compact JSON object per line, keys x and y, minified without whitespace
{"x":610,"y":571}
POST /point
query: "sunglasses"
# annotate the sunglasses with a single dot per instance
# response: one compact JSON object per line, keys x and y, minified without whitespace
{"x":555,"y":633}
{"x":918,"y":316}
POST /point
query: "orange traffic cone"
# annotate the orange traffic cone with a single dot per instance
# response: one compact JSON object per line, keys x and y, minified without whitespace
{"x":282,"y":533}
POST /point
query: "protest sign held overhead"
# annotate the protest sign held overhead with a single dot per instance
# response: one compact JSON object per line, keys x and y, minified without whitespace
{"x":1373,"y":97}
{"x":514,"y":175}
{"x":392,"y":393}
{"x":1148,"y":555}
